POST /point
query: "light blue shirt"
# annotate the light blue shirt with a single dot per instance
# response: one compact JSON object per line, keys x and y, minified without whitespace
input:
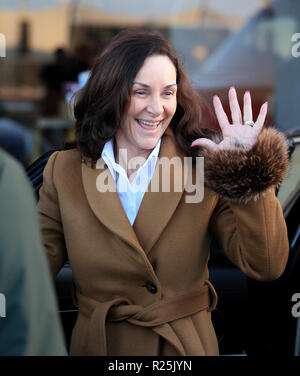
{"x":131,"y":193}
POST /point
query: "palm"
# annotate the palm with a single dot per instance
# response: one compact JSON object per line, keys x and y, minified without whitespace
{"x":235,"y":132}
{"x":242,"y":134}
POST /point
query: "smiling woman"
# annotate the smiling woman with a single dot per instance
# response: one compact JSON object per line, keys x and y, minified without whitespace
{"x":140,"y":257}
{"x":152,"y":106}
{"x":137,"y":78}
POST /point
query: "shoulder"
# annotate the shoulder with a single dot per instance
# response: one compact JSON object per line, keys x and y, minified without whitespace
{"x":65,"y":159}
{"x":63,"y":165}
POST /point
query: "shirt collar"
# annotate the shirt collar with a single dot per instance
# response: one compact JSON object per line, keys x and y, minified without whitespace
{"x":109,"y":157}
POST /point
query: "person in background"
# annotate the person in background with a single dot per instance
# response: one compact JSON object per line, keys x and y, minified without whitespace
{"x":29,"y":319}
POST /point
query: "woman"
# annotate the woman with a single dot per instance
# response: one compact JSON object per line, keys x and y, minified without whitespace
{"x":139,"y":259}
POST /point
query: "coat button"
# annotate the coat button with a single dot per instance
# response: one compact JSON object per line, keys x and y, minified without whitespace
{"x":151,"y":287}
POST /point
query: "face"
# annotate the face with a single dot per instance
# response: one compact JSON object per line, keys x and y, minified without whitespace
{"x":151,"y":108}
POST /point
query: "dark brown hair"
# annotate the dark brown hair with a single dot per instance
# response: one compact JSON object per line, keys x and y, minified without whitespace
{"x":100,"y":104}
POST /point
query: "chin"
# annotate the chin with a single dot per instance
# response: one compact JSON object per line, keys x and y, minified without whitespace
{"x":149,"y":145}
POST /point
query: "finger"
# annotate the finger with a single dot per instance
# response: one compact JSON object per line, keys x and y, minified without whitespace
{"x":236,"y":114}
{"x":220,"y":113}
{"x":247,"y":106}
{"x":261,"y":116}
{"x":205,"y":143}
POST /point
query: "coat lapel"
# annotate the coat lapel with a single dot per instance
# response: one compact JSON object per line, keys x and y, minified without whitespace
{"x":106,"y":205}
{"x":157,"y":208}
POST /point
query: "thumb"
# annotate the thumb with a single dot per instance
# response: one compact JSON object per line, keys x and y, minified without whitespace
{"x":205,"y":143}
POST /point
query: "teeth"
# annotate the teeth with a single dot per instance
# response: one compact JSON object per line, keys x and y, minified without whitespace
{"x":149,"y":123}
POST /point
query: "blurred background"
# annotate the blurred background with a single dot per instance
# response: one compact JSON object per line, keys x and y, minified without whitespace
{"x":48,"y":46}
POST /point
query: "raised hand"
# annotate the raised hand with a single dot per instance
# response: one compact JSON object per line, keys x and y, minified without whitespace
{"x":242,"y":131}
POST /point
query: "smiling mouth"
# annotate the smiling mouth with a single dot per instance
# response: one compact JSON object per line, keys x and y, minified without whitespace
{"x":149,"y":124}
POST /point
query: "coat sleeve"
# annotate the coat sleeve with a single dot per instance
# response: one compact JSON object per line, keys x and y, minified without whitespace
{"x":50,"y":219}
{"x":248,"y":221}
{"x":253,"y":235}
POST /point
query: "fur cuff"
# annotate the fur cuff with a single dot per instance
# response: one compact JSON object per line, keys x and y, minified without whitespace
{"x":240,"y":175}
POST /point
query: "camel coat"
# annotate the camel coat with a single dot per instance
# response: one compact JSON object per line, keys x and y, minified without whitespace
{"x":144,"y":290}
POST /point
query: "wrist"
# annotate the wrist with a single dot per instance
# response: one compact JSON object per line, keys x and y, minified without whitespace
{"x":242,"y":173}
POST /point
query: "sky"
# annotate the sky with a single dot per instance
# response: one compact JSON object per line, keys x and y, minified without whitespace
{"x":148,"y":7}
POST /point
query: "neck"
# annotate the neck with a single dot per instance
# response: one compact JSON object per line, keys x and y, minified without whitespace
{"x":123,"y":156}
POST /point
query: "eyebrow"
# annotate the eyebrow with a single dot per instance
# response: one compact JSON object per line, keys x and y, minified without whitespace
{"x":147,"y":86}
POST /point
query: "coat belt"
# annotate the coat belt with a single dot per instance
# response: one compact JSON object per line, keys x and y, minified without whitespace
{"x":157,"y":315}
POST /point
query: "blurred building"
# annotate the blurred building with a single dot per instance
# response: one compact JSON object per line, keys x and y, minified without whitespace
{"x":33,"y":30}
{"x":241,"y":43}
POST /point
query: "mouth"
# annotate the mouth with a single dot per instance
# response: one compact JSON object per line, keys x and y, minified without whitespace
{"x":149,"y":125}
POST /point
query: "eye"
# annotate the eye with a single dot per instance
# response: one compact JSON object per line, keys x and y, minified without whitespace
{"x":169,"y":93}
{"x":140,"y":92}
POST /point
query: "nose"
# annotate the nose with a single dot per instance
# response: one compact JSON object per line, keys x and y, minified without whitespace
{"x":155,"y":106}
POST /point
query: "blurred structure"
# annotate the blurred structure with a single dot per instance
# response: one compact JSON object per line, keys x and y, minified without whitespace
{"x":245,"y":60}
{"x":259,"y":58}
{"x":53,"y":76}
{"x":49,"y":43}
{"x":64,"y":69}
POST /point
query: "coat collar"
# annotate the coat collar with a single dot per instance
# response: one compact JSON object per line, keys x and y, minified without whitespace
{"x":156,"y":209}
